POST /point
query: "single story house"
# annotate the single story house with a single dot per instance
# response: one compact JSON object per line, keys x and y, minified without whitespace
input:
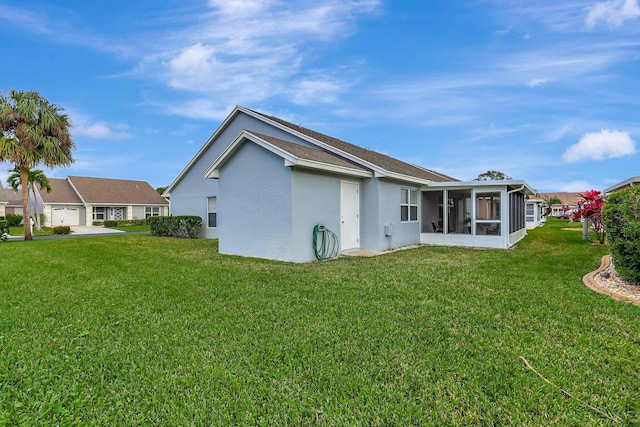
{"x":568,"y":202}
{"x":78,"y":200}
{"x":262,"y":185}
{"x":535,"y":211}
{"x":11,"y":202}
{"x":3,"y":203}
{"x":634,"y":180}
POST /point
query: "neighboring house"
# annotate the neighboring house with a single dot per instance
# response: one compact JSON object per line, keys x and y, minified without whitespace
{"x":626,"y":183}
{"x":3,"y":203}
{"x":79,"y":200}
{"x":568,"y":201}
{"x":12,"y":201}
{"x":535,"y":211}
{"x":262,"y":184}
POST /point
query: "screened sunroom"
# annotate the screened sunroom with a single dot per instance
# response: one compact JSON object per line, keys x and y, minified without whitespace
{"x":488,"y":214}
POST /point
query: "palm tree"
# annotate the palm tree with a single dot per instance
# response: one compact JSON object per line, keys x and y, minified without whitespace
{"x":33,"y":131}
{"x":36,"y":176}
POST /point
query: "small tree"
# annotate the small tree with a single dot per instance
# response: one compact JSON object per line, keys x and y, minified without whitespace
{"x":35,"y":177}
{"x":33,"y":131}
{"x":555,"y":200}
{"x":493,"y":176}
{"x":590,"y":211}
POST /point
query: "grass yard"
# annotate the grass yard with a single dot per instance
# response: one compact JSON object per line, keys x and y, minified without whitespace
{"x":19,"y":231}
{"x":131,"y":228}
{"x":135,"y":329}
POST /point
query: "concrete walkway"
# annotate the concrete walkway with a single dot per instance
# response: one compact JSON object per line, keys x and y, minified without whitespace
{"x":77,"y":230}
{"x":87,"y":229}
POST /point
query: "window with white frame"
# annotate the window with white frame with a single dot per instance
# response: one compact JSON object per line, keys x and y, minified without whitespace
{"x":151,"y":211}
{"x":488,"y":214}
{"x":408,"y":205}
{"x":212,"y":212}
{"x":98,"y":213}
{"x":529,"y":212}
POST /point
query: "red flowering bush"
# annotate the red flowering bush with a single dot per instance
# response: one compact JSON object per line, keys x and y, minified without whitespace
{"x":590,"y":209}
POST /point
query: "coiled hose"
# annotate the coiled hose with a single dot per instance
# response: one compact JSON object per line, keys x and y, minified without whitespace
{"x":325,"y":242}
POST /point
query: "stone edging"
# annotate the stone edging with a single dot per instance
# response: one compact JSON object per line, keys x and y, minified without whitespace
{"x":591,"y":281}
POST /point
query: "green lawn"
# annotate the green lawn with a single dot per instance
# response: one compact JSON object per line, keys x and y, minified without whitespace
{"x":19,"y":231}
{"x":130,"y":228}
{"x":135,"y":329}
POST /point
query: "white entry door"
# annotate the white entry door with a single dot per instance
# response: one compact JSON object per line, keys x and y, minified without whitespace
{"x":349,"y":215}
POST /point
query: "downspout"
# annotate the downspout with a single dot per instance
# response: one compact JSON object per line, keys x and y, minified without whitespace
{"x":516,"y":190}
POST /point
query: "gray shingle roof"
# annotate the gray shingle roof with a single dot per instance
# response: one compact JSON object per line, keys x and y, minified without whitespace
{"x":308,"y":153}
{"x":565,"y":197}
{"x":10,"y":197}
{"x":116,"y":191}
{"x":61,"y":192}
{"x":381,"y":160}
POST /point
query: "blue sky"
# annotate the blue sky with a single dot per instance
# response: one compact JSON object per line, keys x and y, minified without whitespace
{"x":545,"y":91}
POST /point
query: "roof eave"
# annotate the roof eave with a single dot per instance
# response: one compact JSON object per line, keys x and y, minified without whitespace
{"x":527,"y":189}
{"x":213,"y":172}
{"x":327,"y":147}
{"x":327,"y":167}
{"x":625,"y":183}
{"x":203,"y":149}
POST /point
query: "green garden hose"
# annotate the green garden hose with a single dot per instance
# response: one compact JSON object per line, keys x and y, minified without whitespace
{"x":325,"y":242}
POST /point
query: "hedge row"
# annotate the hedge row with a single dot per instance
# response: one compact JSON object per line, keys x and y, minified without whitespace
{"x":14,"y":220}
{"x":121,"y":222}
{"x":621,"y":218}
{"x":184,"y":226}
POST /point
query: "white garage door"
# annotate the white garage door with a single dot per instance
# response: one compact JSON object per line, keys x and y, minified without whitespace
{"x":65,"y":216}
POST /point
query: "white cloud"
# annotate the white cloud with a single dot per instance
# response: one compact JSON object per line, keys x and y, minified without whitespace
{"x":240,"y":7}
{"x":561,"y":130}
{"x":83,"y":125}
{"x":601,"y":145}
{"x":244,"y":52}
{"x":537,"y":82}
{"x":4,"y":174}
{"x":612,"y":12}
{"x":312,"y":91}
{"x":577,"y":186}
{"x":201,"y":108}
{"x":503,"y":32}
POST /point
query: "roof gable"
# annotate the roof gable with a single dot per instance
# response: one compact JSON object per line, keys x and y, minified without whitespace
{"x":61,"y":192}
{"x":115,"y":191}
{"x":292,"y":153}
{"x":10,"y":197}
{"x":382,"y":161}
{"x":381,"y":164}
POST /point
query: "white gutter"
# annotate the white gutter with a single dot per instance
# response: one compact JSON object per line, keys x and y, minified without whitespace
{"x":516,"y":190}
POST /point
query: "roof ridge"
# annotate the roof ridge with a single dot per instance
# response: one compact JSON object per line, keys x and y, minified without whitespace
{"x":380,"y":160}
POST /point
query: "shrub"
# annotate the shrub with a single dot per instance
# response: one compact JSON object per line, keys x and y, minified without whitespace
{"x":4,"y":230}
{"x":124,"y":222}
{"x":621,"y":216}
{"x":97,"y":223}
{"x":62,"y":229}
{"x":185,"y":226}
{"x":14,"y":219}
